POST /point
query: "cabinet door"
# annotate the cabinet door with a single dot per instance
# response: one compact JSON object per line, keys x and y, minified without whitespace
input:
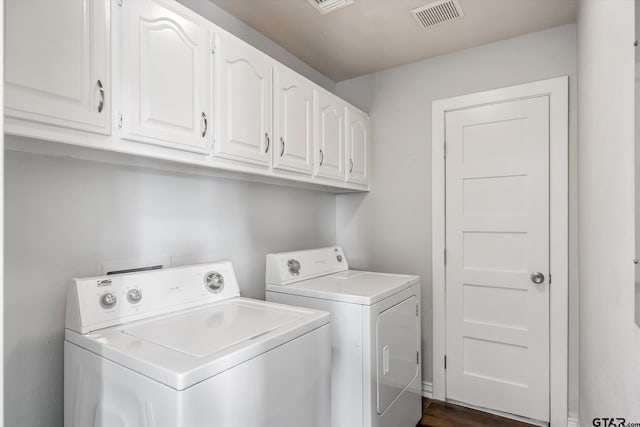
{"x":57,"y":62}
{"x":331,"y":134}
{"x":357,"y":146}
{"x":295,"y":122}
{"x":244,"y":104}
{"x":166,"y":58}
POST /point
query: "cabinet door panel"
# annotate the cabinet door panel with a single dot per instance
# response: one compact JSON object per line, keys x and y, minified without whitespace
{"x":331,"y":134}
{"x":166,"y":77}
{"x":294,"y":116}
{"x":357,"y":147}
{"x":56,"y":60}
{"x":245,"y":104}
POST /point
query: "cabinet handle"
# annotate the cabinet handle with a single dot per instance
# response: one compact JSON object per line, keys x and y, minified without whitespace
{"x":206,"y":124}
{"x":350,"y":165}
{"x":282,"y":146}
{"x":266,"y":137}
{"x":101,"y":89}
{"x":321,"y":157}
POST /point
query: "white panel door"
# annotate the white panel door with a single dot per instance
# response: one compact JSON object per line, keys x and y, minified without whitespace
{"x":245,"y":104}
{"x":497,"y":237}
{"x":357,"y":146}
{"x":57,"y":62}
{"x":166,"y":58}
{"x":295,"y":122}
{"x":331,"y":136}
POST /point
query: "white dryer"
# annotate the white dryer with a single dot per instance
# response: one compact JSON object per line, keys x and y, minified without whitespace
{"x":375,"y":322}
{"x":179,"y":347}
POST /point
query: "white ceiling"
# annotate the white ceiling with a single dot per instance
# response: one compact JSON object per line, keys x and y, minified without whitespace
{"x":371,"y":35}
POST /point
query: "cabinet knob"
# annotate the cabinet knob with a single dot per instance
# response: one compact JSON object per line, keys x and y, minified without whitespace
{"x":350,"y":165}
{"x":281,"y":146}
{"x":101,"y":89}
{"x":321,"y":157}
{"x":266,"y":137}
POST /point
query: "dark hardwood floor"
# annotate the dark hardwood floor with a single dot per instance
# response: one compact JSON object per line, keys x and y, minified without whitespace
{"x":443,"y":414}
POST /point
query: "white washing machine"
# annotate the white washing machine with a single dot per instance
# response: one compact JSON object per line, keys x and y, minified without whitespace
{"x":375,"y":322}
{"x":179,"y":347}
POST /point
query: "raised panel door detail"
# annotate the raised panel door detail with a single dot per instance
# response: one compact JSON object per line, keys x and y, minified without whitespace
{"x":166,"y":77}
{"x":331,"y":136}
{"x":294,"y":116}
{"x":245,"y":104}
{"x":357,"y":147}
{"x":57,"y":63}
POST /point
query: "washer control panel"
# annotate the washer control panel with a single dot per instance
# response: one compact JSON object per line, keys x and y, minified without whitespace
{"x":98,"y":302}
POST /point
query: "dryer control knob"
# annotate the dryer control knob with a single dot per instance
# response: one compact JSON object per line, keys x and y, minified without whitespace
{"x":108,"y":300}
{"x":294,"y":267}
{"x":214,"y":282}
{"x":134,"y":296}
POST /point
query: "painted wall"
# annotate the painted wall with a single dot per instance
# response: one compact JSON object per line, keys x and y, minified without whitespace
{"x":609,"y":337}
{"x":65,"y":217}
{"x":390,"y":229}
{"x":228,"y":22}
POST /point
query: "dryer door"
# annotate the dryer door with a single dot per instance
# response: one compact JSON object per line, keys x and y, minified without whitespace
{"x":397,"y":347}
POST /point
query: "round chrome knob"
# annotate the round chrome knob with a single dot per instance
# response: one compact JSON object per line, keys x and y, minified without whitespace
{"x":108,"y":300}
{"x":294,"y":267}
{"x":214,"y":282}
{"x":134,"y":296}
{"x":537,"y":277}
{"x":339,"y":258}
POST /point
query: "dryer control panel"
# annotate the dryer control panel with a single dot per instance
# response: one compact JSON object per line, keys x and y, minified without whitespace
{"x":291,"y":267}
{"x":103,"y":301}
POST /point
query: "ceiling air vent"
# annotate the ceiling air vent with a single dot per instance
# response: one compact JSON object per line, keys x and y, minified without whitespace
{"x":328,"y":6}
{"x":438,"y":12}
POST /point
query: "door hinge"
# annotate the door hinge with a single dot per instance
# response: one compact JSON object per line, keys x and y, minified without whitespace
{"x":445,"y":361}
{"x":445,"y":257}
{"x":119,"y":120}
{"x":549,"y":278}
{"x":417,"y":357}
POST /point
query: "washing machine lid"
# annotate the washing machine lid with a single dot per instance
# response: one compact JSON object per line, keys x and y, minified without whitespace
{"x":351,"y":286}
{"x":187,"y":347}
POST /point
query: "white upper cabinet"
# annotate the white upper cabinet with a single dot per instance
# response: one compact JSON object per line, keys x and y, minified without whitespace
{"x":357,"y":146}
{"x":294,"y":119}
{"x":166,"y":61}
{"x":244,"y":103}
{"x":57,"y":63}
{"x":331,"y":136}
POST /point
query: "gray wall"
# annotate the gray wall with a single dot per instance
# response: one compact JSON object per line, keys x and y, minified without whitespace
{"x":390,"y":229}
{"x":228,"y":22}
{"x":64,"y":217}
{"x":609,"y":337}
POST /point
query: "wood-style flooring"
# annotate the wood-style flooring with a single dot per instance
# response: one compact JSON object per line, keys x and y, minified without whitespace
{"x":443,"y":414}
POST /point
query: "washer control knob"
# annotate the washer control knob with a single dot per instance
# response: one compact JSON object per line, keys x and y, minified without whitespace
{"x":134,"y":296}
{"x":214,"y":282}
{"x":294,"y":267}
{"x":108,"y":300}
{"x":339,"y":258}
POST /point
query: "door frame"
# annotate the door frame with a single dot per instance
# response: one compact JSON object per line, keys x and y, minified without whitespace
{"x":557,"y":90}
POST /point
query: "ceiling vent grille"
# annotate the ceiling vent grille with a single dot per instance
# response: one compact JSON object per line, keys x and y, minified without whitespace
{"x":438,"y":12}
{"x":327,"y":6}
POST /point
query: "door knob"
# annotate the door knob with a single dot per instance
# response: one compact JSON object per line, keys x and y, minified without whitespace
{"x":537,"y":277}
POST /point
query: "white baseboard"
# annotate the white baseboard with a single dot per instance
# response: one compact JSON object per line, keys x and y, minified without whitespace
{"x":427,"y":389}
{"x":572,"y":420}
